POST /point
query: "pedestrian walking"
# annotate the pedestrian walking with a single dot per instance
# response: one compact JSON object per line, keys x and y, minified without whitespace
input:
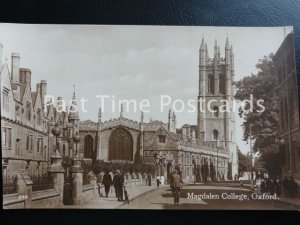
{"x":263,"y":186}
{"x":272,"y":186}
{"x":119,"y":182}
{"x":107,"y":182}
{"x":278,"y":187}
{"x":175,"y":185}
{"x":157,"y":181}
{"x":285,"y":187}
{"x":149,"y":179}
{"x":292,"y":187}
{"x":268,"y":185}
{"x":116,"y":177}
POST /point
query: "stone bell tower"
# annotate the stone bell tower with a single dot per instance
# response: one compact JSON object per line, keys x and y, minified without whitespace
{"x":216,"y":122}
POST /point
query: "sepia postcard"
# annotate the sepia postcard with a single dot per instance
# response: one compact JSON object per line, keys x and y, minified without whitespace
{"x":149,"y":117}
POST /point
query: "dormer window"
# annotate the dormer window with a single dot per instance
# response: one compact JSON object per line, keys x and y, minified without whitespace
{"x":161,"y":138}
{"x":39,"y":117}
{"x":6,"y":138}
{"x":28,"y":111}
{"x":5,"y":100}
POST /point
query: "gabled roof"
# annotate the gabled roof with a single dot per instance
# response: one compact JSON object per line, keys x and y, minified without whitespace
{"x":163,"y":130}
{"x":27,"y":94}
{"x":33,"y":97}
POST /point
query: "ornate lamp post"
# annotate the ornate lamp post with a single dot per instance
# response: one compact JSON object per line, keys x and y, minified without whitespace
{"x":56,"y":131}
{"x":77,"y":174}
{"x":76,"y":139}
{"x":57,"y":171}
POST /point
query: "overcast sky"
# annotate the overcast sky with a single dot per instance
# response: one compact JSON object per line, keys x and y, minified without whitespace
{"x":131,"y":62}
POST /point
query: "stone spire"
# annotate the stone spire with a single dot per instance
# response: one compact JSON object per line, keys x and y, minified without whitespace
{"x":216,"y":49}
{"x":202,"y":46}
{"x":206,"y":52}
{"x":227,"y":52}
{"x":74,"y":108}
{"x":231,"y":57}
{"x":203,"y":51}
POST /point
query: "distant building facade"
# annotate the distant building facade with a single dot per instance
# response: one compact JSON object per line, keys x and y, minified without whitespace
{"x":288,"y":94}
{"x":205,"y":151}
{"x":209,"y":145}
{"x":27,"y":121}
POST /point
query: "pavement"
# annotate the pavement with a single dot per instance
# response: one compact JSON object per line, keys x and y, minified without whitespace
{"x":217,"y":197}
{"x":292,"y":202}
{"x":142,"y":196}
{"x":134,"y":190}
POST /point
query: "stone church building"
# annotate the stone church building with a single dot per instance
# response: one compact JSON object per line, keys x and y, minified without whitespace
{"x":211,"y":142}
{"x":203,"y":151}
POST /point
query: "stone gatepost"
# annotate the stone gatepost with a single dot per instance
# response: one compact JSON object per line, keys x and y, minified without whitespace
{"x":24,"y":183}
{"x":57,"y":172}
{"x":77,"y":179}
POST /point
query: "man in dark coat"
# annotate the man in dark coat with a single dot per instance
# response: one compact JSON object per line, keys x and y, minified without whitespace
{"x":285,"y":187}
{"x":107,"y":182}
{"x":176,"y":184}
{"x":149,"y":179}
{"x":119,"y":184}
{"x":272,"y":186}
{"x":278,"y":187}
{"x":292,"y":187}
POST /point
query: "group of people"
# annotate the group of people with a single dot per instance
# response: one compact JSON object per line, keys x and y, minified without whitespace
{"x":290,"y":187}
{"x":117,"y":180}
{"x":275,"y":186}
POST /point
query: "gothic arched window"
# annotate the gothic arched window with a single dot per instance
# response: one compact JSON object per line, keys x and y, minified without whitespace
{"x":216,"y":111}
{"x":215,"y":134}
{"x":88,"y":147}
{"x":120,"y":145}
{"x":222,"y":84}
{"x":211,"y":84}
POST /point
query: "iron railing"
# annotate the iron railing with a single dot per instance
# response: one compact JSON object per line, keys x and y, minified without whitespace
{"x":10,"y":186}
{"x":42,"y":183}
{"x":87,"y":173}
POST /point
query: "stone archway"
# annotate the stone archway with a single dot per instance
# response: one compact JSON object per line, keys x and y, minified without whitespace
{"x":120,"y":145}
{"x":88,"y":147}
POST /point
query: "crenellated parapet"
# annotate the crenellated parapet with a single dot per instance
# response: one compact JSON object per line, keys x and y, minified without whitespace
{"x":202,"y":149}
{"x":121,"y":121}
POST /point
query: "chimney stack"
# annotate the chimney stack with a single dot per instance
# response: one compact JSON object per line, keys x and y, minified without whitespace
{"x":59,"y":104}
{"x":15,"y":67}
{"x":43,"y":92}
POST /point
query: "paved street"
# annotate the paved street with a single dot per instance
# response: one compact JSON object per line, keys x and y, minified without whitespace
{"x":111,"y":202}
{"x":161,"y":198}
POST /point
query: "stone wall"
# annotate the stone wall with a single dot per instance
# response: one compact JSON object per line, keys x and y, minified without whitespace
{"x":13,"y":201}
{"x":89,"y":192}
{"x":45,"y":199}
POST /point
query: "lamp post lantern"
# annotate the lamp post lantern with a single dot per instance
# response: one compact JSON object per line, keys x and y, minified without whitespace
{"x":76,"y":139}
{"x":56,"y":131}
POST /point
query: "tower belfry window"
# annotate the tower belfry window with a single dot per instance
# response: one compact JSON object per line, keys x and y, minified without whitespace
{"x":211,"y":84}
{"x":222,"y":83}
{"x":215,"y":111}
{"x":215,"y":135}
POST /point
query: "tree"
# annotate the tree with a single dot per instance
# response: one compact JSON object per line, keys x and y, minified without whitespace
{"x":264,"y":124}
{"x":244,"y":162}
